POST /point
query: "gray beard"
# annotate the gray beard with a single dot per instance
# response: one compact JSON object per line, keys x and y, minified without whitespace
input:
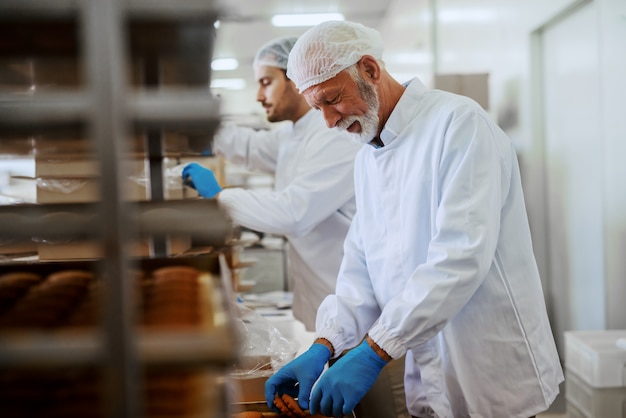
{"x":368,"y":122}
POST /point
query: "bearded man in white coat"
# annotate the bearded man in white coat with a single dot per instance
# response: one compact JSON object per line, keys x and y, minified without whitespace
{"x":312,"y":203}
{"x":438,"y":262}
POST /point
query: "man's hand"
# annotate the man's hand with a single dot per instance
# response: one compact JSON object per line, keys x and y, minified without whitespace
{"x":202,"y":179}
{"x":297,"y":377}
{"x":344,"y":384}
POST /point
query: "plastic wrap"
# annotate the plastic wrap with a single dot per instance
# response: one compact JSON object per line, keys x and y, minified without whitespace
{"x":61,"y":185}
{"x":173,"y":178}
{"x":263,"y":348}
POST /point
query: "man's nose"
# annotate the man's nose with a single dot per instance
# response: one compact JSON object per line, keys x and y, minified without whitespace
{"x":260,"y":96}
{"x":331,"y":116}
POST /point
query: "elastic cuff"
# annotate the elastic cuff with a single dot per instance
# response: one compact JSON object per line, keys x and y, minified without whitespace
{"x":376,"y":348}
{"x":325,"y":343}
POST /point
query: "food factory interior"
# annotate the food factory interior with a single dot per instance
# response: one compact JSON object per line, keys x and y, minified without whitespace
{"x":369,"y":209}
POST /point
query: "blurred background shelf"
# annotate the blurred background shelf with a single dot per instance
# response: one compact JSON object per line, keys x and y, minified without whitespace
{"x":101,"y":91}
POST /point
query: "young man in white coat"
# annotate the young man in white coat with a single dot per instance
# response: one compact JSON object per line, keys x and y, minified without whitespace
{"x":438,"y":262}
{"x":312,"y":203}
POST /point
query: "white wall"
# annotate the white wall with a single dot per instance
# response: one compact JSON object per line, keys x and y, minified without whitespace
{"x":501,"y":37}
{"x":612,"y":14}
{"x":568,"y":50}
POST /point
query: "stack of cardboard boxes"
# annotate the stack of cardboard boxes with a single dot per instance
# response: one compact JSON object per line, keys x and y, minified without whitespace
{"x":76,"y":180}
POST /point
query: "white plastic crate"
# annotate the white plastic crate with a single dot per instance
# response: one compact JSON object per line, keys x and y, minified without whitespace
{"x":574,"y":412}
{"x":594,"y":356}
{"x":584,"y":401}
{"x":595,"y":374}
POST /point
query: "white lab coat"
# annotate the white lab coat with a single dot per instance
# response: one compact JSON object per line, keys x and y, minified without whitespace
{"x":439,"y":265}
{"x":312,"y":203}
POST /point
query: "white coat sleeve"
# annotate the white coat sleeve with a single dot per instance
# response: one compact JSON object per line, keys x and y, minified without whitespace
{"x":256,"y":150}
{"x":343,"y":318}
{"x":473,"y":180}
{"x":322,"y":184}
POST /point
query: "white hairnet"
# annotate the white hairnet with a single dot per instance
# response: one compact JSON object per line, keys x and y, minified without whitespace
{"x":325,"y":50}
{"x":275,"y":53}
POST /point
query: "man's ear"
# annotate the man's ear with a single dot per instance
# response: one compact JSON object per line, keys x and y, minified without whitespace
{"x":370,"y":68}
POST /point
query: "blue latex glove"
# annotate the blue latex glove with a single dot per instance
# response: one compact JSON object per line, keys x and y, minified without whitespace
{"x":202,"y":179}
{"x":345,"y":383}
{"x":297,"y":377}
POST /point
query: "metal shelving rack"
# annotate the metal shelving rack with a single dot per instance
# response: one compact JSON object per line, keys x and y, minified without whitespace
{"x":104,"y":34}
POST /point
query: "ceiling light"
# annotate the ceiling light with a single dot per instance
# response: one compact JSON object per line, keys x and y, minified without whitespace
{"x":228,"y":83}
{"x":466,"y":15}
{"x":224,"y":64}
{"x":308,"y":19}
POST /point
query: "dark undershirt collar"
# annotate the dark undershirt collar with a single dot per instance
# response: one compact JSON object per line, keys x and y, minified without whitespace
{"x":376,"y":143}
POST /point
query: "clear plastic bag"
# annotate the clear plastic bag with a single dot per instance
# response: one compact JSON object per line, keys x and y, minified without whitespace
{"x":61,"y":185}
{"x":263,"y":348}
{"x":172,"y":177}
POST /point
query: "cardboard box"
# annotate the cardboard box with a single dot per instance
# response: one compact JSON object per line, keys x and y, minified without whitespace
{"x":252,"y":372}
{"x":76,"y":180}
{"x":249,"y":389}
{"x":81,"y":250}
{"x":474,"y":86}
{"x":12,"y":249}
